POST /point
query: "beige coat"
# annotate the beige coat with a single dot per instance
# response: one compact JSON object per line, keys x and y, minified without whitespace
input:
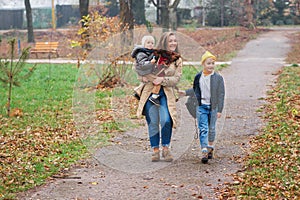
{"x":172,"y":77}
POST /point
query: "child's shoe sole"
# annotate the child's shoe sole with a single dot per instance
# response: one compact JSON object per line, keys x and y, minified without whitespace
{"x":154,"y":101}
{"x":210,"y":154}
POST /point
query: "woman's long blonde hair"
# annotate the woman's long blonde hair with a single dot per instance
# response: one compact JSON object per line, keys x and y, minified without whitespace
{"x":164,"y":40}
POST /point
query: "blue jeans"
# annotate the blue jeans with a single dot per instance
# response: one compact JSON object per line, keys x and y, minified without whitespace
{"x":207,"y":124}
{"x":159,"y":117}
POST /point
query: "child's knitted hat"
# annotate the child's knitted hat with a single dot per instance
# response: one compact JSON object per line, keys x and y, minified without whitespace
{"x":206,"y":55}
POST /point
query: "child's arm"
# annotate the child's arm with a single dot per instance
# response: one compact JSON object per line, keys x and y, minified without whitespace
{"x":150,"y":77}
{"x":221,"y":96}
{"x":188,"y":92}
{"x":143,"y":65}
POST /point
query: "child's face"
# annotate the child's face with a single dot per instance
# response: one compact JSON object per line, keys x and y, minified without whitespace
{"x":149,"y":44}
{"x":209,"y":65}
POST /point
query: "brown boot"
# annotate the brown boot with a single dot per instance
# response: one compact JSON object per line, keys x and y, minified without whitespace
{"x":167,"y":155}
{"x":155,"y":156}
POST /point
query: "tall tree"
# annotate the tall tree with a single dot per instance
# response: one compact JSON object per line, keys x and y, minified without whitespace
{"x":126,"y":14}
{"x":84,"y":11}
{"x":30,"y":35}
{"x":113,"y":9}
{"x":84,"y":7}
{"x":249,"y":13}
{"x":281,"y":5}
{"x":222,"y":12}
{"x":164,"y":7}
{"x":127,"y":22}
{"x":138,"y":8}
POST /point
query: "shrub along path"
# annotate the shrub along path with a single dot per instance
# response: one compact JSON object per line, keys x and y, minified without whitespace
{"x":124,"y":171}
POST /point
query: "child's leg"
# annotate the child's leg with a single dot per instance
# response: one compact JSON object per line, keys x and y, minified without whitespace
{"x":138,"y":90}
{"x":203,"y":120}
{"x":212,"y":133}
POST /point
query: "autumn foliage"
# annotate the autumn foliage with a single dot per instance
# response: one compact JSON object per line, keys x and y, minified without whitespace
{"x":272,"y":166}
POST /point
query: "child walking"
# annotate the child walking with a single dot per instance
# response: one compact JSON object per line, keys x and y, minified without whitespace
{"x":145,"y":66}
{"x":210,"y":92}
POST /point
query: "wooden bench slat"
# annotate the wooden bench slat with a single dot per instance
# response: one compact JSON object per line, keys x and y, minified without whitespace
{"x":45,"y":47}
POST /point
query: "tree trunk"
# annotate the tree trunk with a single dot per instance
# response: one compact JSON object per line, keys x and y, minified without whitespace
{"x":84,"y":7}
{"x":127,"y":23}
{"x":138,"y":8}
{"x":249,"y":14}
{"x":165,"y":18}
{"x":173,"y":14}
{"x":173,"y":19}
{"x":113,"y":9}
{"x":10,"y":78}
{"x":30,"y":35}
{"x":163,"y":13}
{"x":222,"y":13}
{"x":126,"y":14}
{"x":84,"y":11}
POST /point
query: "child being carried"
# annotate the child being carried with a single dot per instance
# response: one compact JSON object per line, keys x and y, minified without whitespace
{"x":151,"y":63}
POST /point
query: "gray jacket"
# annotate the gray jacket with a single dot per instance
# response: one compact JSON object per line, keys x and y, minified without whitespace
{"x":217,"y":90}
{"x":143,"y":56}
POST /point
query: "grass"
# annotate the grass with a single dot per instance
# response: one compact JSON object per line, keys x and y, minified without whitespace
{"x":189,"y":72}
{"x":273,"y":166}
{"x":41,"y":138}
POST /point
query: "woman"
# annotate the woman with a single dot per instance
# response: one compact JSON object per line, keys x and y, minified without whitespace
{"x":161,"y":119}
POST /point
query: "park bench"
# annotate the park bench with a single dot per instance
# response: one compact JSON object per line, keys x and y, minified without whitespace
{"x":45,"y":47}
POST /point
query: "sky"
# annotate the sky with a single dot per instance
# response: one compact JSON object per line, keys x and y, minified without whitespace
{"x":19,"y":4}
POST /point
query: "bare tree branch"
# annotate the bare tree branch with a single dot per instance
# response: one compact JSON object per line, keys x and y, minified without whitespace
{"x":155,"y":4}
{"x":175,"y":4}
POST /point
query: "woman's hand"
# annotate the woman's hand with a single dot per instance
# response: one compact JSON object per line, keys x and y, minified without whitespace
{"x":219,"y":115}
{"x":144,"y":79}
{"x":158,"y":80}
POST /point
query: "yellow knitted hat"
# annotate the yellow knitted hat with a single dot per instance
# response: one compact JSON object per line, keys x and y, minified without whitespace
{"x":206,"y":55}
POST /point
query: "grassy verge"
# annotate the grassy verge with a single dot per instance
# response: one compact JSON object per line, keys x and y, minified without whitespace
{"x":189,"y":72}
{"x":272,"y":168}
{"x":40,"y":138}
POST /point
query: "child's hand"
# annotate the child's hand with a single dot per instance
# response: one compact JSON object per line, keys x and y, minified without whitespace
{"x":182,"y":93}
{"x":153,"y":60}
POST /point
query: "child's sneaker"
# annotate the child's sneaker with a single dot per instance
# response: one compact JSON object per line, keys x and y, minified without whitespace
{"x":210,"y":154}
{"x":135,"y":95}
{"x":204,"y":158}
{"x":155,"y":101}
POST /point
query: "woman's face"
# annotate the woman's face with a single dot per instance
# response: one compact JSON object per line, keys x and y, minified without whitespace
{"x":172,"y":43}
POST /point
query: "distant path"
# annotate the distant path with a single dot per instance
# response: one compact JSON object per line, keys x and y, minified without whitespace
{"x":247,"y":80}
